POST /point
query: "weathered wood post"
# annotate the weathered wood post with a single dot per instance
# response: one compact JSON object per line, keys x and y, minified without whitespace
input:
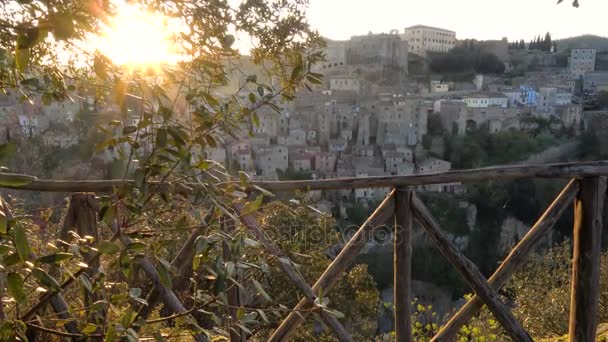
{"x":588,"y":210}
{"x":82,"y":218}
{"x":234,"y":295}
{"x":402,"y":265}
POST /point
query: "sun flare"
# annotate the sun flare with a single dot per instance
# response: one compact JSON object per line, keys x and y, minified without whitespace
{"x":136,"y":38}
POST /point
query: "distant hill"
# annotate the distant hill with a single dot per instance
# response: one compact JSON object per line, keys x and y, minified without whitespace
{"x":585,"y":41}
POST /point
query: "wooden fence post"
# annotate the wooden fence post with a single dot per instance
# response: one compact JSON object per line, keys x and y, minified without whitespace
{"x":588,"y":211}
{"x":402,"y":265}
{"x":234,"y":295}
{"x":513,"y":261}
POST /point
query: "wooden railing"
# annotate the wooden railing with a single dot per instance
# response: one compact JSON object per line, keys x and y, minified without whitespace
{"x":587,"y":189}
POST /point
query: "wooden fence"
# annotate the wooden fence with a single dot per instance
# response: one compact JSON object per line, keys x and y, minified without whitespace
{"x":586,"y":189}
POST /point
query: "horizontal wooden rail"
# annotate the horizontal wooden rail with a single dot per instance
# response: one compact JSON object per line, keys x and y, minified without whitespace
{"x":563,"y":170}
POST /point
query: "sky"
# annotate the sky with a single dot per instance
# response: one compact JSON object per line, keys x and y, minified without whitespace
{"x":479,"y":19}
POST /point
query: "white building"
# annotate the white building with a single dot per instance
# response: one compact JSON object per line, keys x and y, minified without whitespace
{"x":439,"y":87}
{"x":423,"y":39}
{"x":582,"y":61}
{"x":551,"y":96}
{"x":345,"y":84}
{"x":484,"y":100}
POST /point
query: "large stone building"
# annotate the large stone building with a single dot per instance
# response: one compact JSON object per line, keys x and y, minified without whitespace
{"x":582,"y":61}
{"x":423,"y":39}
{"x":384,"y":49}
{"x":596,"y":81}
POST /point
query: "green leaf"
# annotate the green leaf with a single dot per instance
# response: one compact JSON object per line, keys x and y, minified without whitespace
{"x":22,"y":58}
{"x":45,"y":279}
{"x":253,"y":205}
{"x":107,"y":214}
{"x":108,"y":247}
{"x":21,"y":243}
{"x":256,"y":120}
{"x":164,"y":274}
{"x":261,"y":290}
{"x":3,"y":223}
{"x":89,"y":328}
{"x":135,"y":294}
{"x":212,"y":101}
{"x":99,"y":66}
{"x":243,"y":178}
{"x":137,"y":246}
{"x":263,"y":315}
{"x":15,"y":287}
{"x":161,"y":137}
{"x":63,"y":26}
{"x":11,"y":179}
{"x":86,"y":283}
{"x":312,"y":79}
{"x":177,"y":136}
{"x":54,"y":258}
{"x":99,"y":305}
{"x":295,"y":73}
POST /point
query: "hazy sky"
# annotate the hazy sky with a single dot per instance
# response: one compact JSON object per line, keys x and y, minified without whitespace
{"x":481,"y":19}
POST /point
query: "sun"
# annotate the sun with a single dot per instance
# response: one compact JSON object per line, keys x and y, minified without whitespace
{"x":136,"y":38}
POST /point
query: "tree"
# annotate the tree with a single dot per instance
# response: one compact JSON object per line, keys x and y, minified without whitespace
{"x":601,"y":98}
{"x":547,"y":43}
{"x":157,"y":123}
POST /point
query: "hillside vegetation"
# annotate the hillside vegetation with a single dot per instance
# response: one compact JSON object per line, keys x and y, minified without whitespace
{"x":584,"y":41}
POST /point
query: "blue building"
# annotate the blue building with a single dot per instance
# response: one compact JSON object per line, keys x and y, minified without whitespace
{"x":524,"y":96}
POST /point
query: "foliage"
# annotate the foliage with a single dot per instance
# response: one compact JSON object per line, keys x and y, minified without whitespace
{"x":291,"y":174}
{"x":157,"y":125}
{"x":542,"y":44}
{"x":601,"y":98}
{"x":583,"y":41}
{"x":479,"y":148}
{"x":466,"y":59}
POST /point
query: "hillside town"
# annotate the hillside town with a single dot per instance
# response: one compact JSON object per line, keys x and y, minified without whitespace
{"x":370,"y":116}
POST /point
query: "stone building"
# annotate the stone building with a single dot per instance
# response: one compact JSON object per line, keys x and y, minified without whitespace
{"x":486,"y":99}
{"x":423,"y":39}
{"x":270,"y":159}
{"x":345,"y":83}
{"x":383,"y":49}
{"x":301,"y":161}
{"x":551,"y":96}
{"x":595,"y":81}
{"x":325,"y":162}
{"x":581,"y":62}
